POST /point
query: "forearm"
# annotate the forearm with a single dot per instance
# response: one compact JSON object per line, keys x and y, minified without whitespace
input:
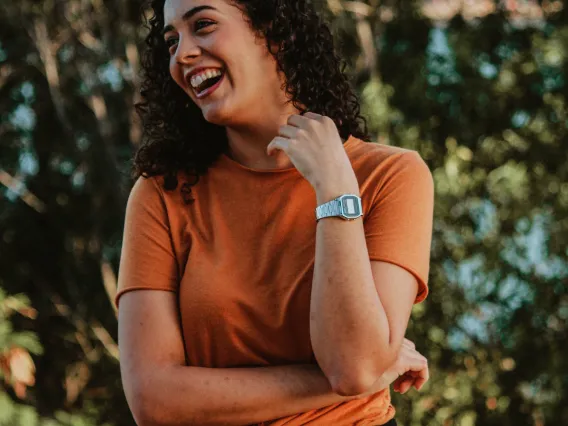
{"x":348,"y":325}
{"x":234,"y":396}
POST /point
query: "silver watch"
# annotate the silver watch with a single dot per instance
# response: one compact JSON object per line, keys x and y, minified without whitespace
{"x":347,"y":206}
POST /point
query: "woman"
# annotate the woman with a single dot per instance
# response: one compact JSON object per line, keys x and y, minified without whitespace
{"x":253,"y":312}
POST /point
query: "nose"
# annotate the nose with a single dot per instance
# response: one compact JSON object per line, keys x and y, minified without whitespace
{"x":187,"y":50}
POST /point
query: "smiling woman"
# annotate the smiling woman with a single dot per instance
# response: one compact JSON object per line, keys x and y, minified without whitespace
{"x":254,"y":294}
{"x":183,"y":132}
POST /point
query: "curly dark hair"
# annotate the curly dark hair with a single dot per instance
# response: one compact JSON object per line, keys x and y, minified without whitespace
{"x":176,"y":137}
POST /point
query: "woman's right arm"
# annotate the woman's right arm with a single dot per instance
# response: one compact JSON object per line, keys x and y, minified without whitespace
{"x":162,"y":390}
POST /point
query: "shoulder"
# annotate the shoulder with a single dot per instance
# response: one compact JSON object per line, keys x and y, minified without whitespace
{"x":145,"y":202}
{"x":147,"y":186}
{"x":154,"y":188}
{"x":144,"y":190}
{"x":384,"y":163}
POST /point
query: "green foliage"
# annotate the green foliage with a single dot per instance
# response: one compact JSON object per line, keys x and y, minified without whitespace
{"x":13,"y":413}
{"x":482,"y":96}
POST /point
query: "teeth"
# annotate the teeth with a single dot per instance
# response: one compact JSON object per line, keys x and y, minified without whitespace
{"x":197,"y":79}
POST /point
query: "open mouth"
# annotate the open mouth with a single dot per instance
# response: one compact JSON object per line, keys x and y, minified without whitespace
{"x":208,"y":85}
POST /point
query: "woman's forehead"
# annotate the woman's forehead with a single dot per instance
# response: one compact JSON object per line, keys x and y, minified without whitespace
{"x":180,"y":9}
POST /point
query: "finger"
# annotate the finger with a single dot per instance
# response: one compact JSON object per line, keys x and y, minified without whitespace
{"x":300,"y":121}
{"x":287,"y":131}
{"x":418,"y":378}
{"x":416,"y":385}
{"x":405,"y":378}
{"x":409,"y":343}
{"x":398,"y":387}
{"x":414,"y":362}
{"x":405,"y":386}
{"x":278,"y":143}
{"x":423,"y":377}
{"x":313,"y":115}
{"x":398,"y":382}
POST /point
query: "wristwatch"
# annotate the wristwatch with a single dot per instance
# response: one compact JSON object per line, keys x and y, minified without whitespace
{"x":347,"y":206}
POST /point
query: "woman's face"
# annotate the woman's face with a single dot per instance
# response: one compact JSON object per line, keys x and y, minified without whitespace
{"x":211,"y":37}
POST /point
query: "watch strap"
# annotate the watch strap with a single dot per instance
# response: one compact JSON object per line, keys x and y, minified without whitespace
{"x":331,"y":208}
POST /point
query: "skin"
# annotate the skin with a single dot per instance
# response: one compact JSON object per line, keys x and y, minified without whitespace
{"x":249,"y":102}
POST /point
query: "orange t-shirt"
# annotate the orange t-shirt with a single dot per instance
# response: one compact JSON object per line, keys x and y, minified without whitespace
{"x":241,"y":257}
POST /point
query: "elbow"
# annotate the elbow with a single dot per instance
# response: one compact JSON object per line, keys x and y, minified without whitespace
{"x":352,"y":385}
{"x":144,"y":411}
{"x":360,"y":380}
{"x":146,"y":407}
{"x":151,"y":415}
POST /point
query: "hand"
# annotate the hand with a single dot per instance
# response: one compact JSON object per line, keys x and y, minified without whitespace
{"x":313,"y":145}
{"x":410,"y":369}
{"x":414,"y":368}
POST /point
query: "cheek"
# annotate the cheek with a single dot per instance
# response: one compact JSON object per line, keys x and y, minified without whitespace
{"x":176,"y":73}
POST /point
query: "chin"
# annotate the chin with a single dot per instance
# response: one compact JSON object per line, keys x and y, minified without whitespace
{"x":217,"y":116}
{"x":220,"y":115}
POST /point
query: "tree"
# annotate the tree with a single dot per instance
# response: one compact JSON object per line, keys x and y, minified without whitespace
{"x":478,"y":88}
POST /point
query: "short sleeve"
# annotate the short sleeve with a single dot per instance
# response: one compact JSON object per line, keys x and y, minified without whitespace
{"x":398,"y":226}
{"x":147,"y":258}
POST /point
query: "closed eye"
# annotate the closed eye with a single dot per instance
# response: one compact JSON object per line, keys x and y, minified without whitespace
{"x":202,"y":23}
{"x":199,"y":25}
{"x":172,"y":41}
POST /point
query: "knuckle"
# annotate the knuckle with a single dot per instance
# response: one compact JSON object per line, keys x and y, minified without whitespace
{"x":312,"y":125}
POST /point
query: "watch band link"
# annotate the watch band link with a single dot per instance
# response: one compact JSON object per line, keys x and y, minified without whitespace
{"x":331,"y":208}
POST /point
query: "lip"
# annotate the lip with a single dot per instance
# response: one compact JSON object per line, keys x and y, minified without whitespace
{"x":209,"y":90}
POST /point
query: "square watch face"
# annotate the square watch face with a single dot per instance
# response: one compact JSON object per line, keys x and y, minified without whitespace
{"x":350,"y":206}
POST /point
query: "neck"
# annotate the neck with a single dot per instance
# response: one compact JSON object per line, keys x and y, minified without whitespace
{"x":248,"y":142}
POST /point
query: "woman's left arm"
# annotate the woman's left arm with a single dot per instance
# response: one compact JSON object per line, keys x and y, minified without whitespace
{"x":360,"y":308}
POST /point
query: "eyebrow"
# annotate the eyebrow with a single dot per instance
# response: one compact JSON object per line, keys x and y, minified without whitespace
{"x":187,"y":15}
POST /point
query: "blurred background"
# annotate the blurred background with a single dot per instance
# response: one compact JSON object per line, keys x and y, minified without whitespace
{"x":477,"y":87}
